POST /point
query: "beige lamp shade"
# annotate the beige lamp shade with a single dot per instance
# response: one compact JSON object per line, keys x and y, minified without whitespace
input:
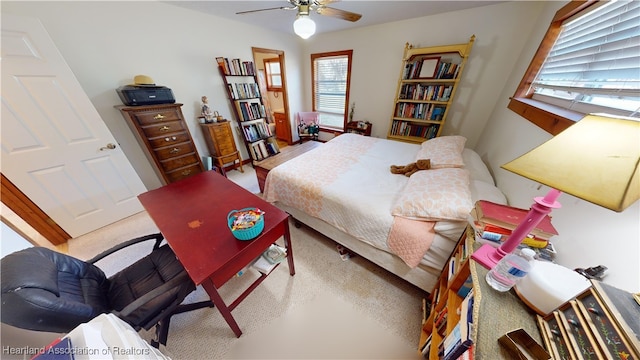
{"x":595,"y":159}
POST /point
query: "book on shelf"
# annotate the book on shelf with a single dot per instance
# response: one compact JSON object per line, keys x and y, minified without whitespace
{"x":426,"y":347}
{"x":468,"y":354}
{"x":459,"y":339}
{"x":509,"y":217}
{"x":465,"y":287}
{"x":235,"y":66}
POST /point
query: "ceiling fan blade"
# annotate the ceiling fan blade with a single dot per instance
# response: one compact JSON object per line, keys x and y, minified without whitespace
{"x":275,"y":8}
{"x":340,"y":14}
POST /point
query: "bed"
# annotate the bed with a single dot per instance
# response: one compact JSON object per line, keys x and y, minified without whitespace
{"x":345,"y":190}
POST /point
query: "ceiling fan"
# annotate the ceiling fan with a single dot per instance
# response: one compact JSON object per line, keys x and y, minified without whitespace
{"x":304,"y":26}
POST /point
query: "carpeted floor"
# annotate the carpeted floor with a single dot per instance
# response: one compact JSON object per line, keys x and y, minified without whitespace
{"x":331,"y":309}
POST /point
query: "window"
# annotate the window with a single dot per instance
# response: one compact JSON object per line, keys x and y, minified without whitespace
{"x":587,"y":62}
{"x":331,"y":76}
{"x":274,"y":75}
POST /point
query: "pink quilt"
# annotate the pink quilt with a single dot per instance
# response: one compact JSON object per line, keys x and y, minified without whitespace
{"x":411,"y":239}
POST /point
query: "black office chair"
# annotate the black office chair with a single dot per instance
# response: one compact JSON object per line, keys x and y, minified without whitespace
{"x":44,"y":290}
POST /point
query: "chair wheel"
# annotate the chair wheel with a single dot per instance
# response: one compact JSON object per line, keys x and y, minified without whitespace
{"x":155,"y":344}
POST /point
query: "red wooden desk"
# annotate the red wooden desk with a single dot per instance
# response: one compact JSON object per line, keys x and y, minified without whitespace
{"x":192,"y":216}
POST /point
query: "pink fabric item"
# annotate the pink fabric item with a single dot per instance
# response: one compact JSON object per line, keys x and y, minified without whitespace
{"x":308,"y":118}
{"x":410,"y":239}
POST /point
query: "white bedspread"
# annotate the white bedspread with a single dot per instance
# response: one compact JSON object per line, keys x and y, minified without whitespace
{"x":347,"y":183}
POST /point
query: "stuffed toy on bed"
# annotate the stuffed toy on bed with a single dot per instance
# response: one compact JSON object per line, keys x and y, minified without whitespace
{"x":410,"y":169}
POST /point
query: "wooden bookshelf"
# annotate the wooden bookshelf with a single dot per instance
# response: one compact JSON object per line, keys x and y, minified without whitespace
{"x":429,"y":77}
{"x":446,"y":298}
{"x":244,"y":94}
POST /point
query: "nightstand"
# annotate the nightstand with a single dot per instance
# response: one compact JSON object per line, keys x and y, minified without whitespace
{"x":220,"y":143}
{"x":359,"y":127}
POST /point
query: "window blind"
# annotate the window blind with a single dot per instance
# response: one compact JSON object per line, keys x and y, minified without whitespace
{"x":330,"y":88}
{"x":595,"y":61}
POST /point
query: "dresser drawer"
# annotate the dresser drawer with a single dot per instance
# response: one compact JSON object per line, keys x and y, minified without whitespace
{"x":174,"y":150}
{"x":178,"y":162}
{"x":169,"y":140}
{"x":183,"y":172}
{"x":156,"y":116}
{"x":222,"y":131}
{"x":226,"y":147}
{"x":165,"y":128}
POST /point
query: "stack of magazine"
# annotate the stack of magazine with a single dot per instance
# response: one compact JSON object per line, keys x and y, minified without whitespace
{"x":269,"y":259}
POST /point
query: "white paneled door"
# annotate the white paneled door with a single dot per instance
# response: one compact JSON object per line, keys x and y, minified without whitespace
{"x":55,"y":146}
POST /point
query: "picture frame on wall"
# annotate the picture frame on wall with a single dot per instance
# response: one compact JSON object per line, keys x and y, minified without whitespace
{"x":429,"y":67}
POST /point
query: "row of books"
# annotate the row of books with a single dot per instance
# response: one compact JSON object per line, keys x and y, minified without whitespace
{"x":457,"y":259}
{"x":256,"y":131}
{"x":420,"y":111}
{"x":251,"y":111}
{"x":447,"y":70}
{"x":425,"y":92}
{"x":458,"y":343}
{"x":240,"y":91}
{"x":262,"y":149}
{"x":236,"y":66}
{"x":442,"y":70}
{"x":404,"y":128}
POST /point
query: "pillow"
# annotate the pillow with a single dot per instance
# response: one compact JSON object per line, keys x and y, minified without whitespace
{"x":443,"y":151}
{"x":433,"y":195}
{"x":481,"y":190}
{"x":477,"y":168}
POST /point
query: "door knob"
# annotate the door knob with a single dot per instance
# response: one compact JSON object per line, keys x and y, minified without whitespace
{"x":109,"y":146}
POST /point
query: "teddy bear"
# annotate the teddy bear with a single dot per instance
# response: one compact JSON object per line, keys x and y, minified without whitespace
{"x":410,"y":169}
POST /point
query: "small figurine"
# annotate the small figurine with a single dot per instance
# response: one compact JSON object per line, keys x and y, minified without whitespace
{"x":206,"y":110}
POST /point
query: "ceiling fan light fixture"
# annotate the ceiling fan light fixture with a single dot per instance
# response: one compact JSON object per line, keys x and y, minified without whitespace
{"x":304,"y":26}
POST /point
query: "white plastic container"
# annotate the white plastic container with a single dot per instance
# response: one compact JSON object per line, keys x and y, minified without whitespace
{"x":510,"y":270}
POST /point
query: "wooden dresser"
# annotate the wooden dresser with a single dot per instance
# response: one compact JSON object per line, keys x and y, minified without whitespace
{"x":165,"y":138}
{"x":220,"y":142}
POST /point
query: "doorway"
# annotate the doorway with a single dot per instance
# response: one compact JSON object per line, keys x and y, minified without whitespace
{"x":274,"y":97}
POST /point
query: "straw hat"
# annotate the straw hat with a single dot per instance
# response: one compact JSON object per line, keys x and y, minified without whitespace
{"x":142,"y":80}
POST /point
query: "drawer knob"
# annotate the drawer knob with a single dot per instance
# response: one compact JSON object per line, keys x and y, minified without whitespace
{"x":164,"y":128}
{"x":186,"y":172}
{"x":174,"y":151}
{"x":159,"y":117}
{"x":173,"y":138}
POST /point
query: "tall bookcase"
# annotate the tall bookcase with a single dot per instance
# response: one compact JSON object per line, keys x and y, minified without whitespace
{"x":244,"y":94}
{"x":429,"y":77}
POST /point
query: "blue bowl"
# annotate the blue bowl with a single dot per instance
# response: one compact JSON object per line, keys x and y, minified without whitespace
{"x":245,"y":234}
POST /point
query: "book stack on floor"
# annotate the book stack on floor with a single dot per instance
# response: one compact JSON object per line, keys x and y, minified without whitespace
{"x":494,"y":223}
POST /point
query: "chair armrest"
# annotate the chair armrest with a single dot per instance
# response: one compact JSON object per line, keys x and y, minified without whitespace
{"x":157,"y":237}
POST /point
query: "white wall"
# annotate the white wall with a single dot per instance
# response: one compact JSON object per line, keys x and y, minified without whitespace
{"x":379,"y":49}
{"x":106,"y":44}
